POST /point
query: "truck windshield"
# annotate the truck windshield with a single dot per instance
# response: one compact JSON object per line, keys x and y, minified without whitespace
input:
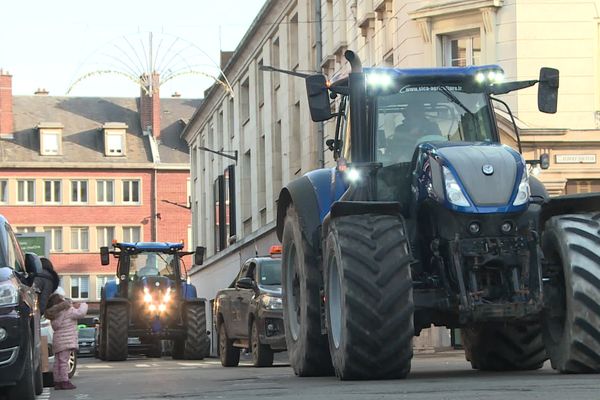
{"x":420,"y":114}
{"x":270,"y":273}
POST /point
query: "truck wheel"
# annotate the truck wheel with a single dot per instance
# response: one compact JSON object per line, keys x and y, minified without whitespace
{"x":116,"y":325}
{"x":571,"y":324}
{"x":504,"y":347}
{"x":25,"y":389}
{"x":196,"y":344}
{"x":229,"y":355}
{"x":369,"y":304}
{"x":307,"y":348}
{"x":262,"y":355}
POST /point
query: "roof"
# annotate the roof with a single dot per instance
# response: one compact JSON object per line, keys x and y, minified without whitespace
{"x":82,"y":119}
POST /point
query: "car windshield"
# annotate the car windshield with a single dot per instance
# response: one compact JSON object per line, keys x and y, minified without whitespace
{"x":418,"y":114}
{"x":270,"y":273}
{"x":87,"y":333}
{"x":151,"y":264}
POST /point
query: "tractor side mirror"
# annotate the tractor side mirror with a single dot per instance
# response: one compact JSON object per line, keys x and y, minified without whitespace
{"x":104,"y":255}
{"x":245,"y":283}
{"x":199,"y":255}
{"x":545,"y":161}
{"x":318,"y":98}
{"x":548,"y":90}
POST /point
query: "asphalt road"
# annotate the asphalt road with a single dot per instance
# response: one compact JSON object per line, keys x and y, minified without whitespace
{"x":439,"y":376}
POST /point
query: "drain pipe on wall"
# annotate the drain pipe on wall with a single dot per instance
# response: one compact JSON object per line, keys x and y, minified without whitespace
{"x":319,"y":60}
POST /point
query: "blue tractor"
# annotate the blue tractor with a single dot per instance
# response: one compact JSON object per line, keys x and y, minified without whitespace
{"x":150,"y":299}
{"x":428,"y":219}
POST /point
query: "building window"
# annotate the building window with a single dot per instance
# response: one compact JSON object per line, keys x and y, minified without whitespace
{"x":79,"y":191}
{"x":131,"y":234}
{"x":105,"y":192}
{"x":462,"y":50}
{"x":3,"y":191}
{"x":80,"y":239}
{"x":115,"y":144}
{"x":131,"y":192}
{"x":260,"y":85}
{"x":52,"y":192}
{"x":55,"y":235}
{"x":100,"y":282}
{"x":105,"y":235}
{"x":293,"y":42}
{"x":26,"y":191}
{"x":25,"y":229}
{"x":245,"y":100}
{"x":50,"y":144}
{"x":80,"y":287}
{"x":275,"y":61}
{"x":219,"y":214}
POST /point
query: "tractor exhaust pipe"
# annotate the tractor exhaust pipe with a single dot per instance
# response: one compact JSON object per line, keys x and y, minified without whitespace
{"x":354,"y":61}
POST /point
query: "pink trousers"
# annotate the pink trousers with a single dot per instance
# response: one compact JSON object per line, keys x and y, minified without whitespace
{"x":61,"y":366}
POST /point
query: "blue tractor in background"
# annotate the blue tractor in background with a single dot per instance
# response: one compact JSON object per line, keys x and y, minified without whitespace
{"x":428,"y":219}
{"x":152,"y":300}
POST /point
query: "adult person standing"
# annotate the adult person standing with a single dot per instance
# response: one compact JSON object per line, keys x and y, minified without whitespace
{"x":46,"y":282}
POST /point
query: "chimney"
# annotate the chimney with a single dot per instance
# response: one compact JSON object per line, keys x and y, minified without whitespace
{"x":176,"y":95}
{"x":6,"y":104}
{"x":150,"y":105}
{"x":41,"y":92}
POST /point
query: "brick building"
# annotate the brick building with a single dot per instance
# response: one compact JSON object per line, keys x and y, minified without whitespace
{"x":89,"y":170}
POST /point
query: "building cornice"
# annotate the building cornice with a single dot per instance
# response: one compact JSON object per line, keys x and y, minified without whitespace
{"x":437,"y":8}
{"x":99,"y":165}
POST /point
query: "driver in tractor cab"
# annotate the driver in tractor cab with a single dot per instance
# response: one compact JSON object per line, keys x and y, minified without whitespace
{"x":414,"y":126}
{"x":150,"y":269}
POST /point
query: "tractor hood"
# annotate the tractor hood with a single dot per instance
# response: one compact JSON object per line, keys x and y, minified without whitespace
{"x":478,"y":177}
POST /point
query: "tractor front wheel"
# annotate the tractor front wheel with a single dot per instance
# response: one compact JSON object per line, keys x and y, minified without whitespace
{"x":301,"y":282}
{"x":116,"y":324}
{"x":195,"y":345}
{"x":504,"y":347}
{"x":571,"y":324}
{"x":369,"y":300}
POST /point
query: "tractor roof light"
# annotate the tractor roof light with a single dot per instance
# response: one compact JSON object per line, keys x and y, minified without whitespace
{"x":379,"y":80}
{"x":353,"y":175}
{"x":275,"y":249}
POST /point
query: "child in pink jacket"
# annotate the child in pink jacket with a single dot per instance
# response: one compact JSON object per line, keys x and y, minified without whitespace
{"x":64,"y":315}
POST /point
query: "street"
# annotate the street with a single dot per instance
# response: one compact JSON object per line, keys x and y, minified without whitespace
{"x":434,"y":376}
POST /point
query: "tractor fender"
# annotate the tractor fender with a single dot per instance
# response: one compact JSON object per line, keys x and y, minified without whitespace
{"x":538,"y":190}
{"x":111,"y":290}
{"x":569,"y":204}
{"x":188,"y":291}
{"x":312,"y":196}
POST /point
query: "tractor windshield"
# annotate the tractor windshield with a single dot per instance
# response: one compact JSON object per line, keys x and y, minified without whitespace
{"x":420,"y":114}
{"x":151,"y":264}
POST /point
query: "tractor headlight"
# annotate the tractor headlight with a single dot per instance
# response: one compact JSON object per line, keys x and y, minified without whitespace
{"x":524,"y":191}
{"x":151,"y":308}
{"x":272,"y":303}
{"x":9,"y":295}
{"x":167,"y":296}
{"x":162,"y":308}
{"x":454,"y":193}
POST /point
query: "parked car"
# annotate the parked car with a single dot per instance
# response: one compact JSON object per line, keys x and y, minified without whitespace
{"x":20,"y":358}
{"x":87,"y":341}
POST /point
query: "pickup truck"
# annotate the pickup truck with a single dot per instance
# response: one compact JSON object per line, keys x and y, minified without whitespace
{"x":249,"y":313}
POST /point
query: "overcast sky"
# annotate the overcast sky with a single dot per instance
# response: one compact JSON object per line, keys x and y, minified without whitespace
{"x":50,"y":44}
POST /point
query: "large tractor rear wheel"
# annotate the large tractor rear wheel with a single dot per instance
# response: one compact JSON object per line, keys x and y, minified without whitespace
{"x":301,"y":281}
{"x":369,"y":299}
{"x":196,"y":344}
{"x":116,"y":325}
{"x":504,"y":347}
{"x":571,"y":325}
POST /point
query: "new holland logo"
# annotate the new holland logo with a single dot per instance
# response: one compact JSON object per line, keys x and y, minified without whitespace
{"x":487,"y":169}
